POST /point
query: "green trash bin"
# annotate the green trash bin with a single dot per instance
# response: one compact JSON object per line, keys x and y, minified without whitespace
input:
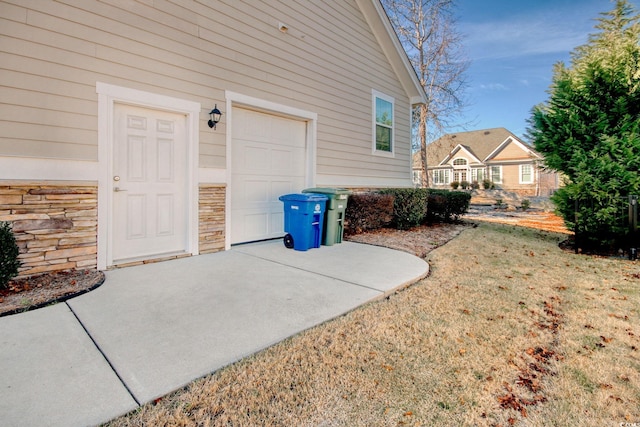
{"x":334,"y":213}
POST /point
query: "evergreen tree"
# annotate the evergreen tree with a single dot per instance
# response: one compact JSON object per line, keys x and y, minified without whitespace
{"x":589,"y":129}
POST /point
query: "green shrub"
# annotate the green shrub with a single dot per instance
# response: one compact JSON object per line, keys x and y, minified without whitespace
{"x":409,"y":206}
{"x":458,"y":204}
{"x":447,"y":205}
{"x":487,"y":184}
{"x":464,"y":185}
{"x":455,"y":185}
{"x":500,"y":204}
{"x":368,"y":211}
{"x":526,"y":204}
{"x":475,"y":185}
{"x":9,"y":263}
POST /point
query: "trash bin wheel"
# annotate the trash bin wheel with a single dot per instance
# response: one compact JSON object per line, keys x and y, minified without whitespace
{"x":288,"y":241}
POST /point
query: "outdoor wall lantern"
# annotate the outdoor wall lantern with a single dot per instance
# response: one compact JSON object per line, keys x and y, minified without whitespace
{"x":214,"y":117}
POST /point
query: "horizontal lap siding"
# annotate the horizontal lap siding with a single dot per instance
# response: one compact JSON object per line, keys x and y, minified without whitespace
{"x":511,"y":152}
{"x":52,"y":54}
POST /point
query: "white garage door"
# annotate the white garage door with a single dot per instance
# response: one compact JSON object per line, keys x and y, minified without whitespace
{"x":267,"y":161}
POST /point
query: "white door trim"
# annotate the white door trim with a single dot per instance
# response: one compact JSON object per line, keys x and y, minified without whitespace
{"x":234,"y":99}
{"x":108,"y":96}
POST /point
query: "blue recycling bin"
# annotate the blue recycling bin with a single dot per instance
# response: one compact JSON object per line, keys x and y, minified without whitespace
{"x":303,"y":220}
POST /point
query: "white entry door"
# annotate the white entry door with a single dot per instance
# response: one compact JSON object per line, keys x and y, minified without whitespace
{"x":150,"y":209}
{"x":268,"y":160}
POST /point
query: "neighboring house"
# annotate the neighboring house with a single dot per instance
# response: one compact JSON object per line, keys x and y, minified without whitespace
{"x":106,"y":156}
{"x":495,"y":155}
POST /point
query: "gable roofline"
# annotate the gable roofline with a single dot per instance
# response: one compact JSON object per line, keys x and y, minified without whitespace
{"x":388,"y":40}
{"x":485,"y":144}
{"x":511,"y":138}
{"x":455,"y":150}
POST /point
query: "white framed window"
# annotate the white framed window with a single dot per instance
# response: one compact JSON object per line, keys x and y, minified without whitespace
{"x":441,"y":176}
{"x":417,"y":177}
{"x":526,"y":174}
{"x":460,"y":175}
{"x":477,"y":174}
{"x":496,"y":174}
{"x":383,"y":123}
{"x":460,"y":162}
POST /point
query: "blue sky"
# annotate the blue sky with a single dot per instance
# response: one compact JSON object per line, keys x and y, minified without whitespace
{"x":512,"y":46}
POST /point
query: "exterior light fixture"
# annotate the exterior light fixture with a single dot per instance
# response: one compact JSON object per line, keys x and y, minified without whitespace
{"x":214,"y":117}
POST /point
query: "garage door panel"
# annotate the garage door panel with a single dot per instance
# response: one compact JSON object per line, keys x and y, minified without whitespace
{"x":287,"y":162}
{"x":268,"y":160}
{"x":284,"y":134}
{"x":256,"y":191}
{"x":248,"y":190}
{"x":253,"y":158}
{"x":277,"y":222}
{"x":278,"y":188}
{"x":255,"y":224}
{"x":250,"y":125}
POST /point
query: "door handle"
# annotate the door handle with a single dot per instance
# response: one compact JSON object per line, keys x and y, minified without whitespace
{"x":118,"y":189}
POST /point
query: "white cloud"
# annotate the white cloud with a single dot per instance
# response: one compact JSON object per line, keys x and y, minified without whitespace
{"x":543,"y":32}
{"x":494,"y":87}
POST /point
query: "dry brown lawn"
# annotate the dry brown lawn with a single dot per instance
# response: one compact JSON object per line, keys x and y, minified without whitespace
{"x":507,"y":330}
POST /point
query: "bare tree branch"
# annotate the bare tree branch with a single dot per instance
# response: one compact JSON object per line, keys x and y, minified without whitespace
{"x":426,"y":29}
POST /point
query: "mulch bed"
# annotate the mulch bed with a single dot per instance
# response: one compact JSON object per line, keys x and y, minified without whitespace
{"x":38,"y":291}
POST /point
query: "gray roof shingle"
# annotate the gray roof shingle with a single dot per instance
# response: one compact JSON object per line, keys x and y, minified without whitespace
{"x":480,"y":143}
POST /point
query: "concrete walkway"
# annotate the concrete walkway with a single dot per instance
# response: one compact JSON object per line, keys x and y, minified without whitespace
{"x":152,"y":329}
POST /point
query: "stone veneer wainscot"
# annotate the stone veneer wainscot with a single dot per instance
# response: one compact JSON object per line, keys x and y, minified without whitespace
{"x":55,"y":224}
{"x":211,"y":215}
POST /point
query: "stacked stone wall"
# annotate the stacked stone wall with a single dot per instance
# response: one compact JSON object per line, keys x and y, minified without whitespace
{"x":211,"y":212}
{"x":55,"y":224}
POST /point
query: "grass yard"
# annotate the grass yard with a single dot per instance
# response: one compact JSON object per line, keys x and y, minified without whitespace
{"x":507,"y":330}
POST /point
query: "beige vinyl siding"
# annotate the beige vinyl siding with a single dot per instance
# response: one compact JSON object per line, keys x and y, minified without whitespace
{"x":510,"y":175}
{"x":510,"y":152}
{"x":53,"y":53}
{"x":511,"y":178}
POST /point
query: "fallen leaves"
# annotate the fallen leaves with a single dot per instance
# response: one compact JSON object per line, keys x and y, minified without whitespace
{"x":530,"y":390}
{"x":517,"y":403}
{"x":619,"y":316}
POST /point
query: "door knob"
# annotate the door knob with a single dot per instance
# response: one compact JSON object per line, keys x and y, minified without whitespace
{"x":116,"y":178}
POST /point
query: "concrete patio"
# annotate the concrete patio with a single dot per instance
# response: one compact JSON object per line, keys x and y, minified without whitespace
{"x":151,"y":329}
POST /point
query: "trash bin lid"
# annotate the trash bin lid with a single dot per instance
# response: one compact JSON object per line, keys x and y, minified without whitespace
{"x":327,"y":190}
{"x":298,"y":197}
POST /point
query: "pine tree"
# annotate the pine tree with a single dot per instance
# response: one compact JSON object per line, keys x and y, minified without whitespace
{"x":589,"y":129}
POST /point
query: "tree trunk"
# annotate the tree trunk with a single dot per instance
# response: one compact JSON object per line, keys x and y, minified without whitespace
{"x":422,"y":131}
